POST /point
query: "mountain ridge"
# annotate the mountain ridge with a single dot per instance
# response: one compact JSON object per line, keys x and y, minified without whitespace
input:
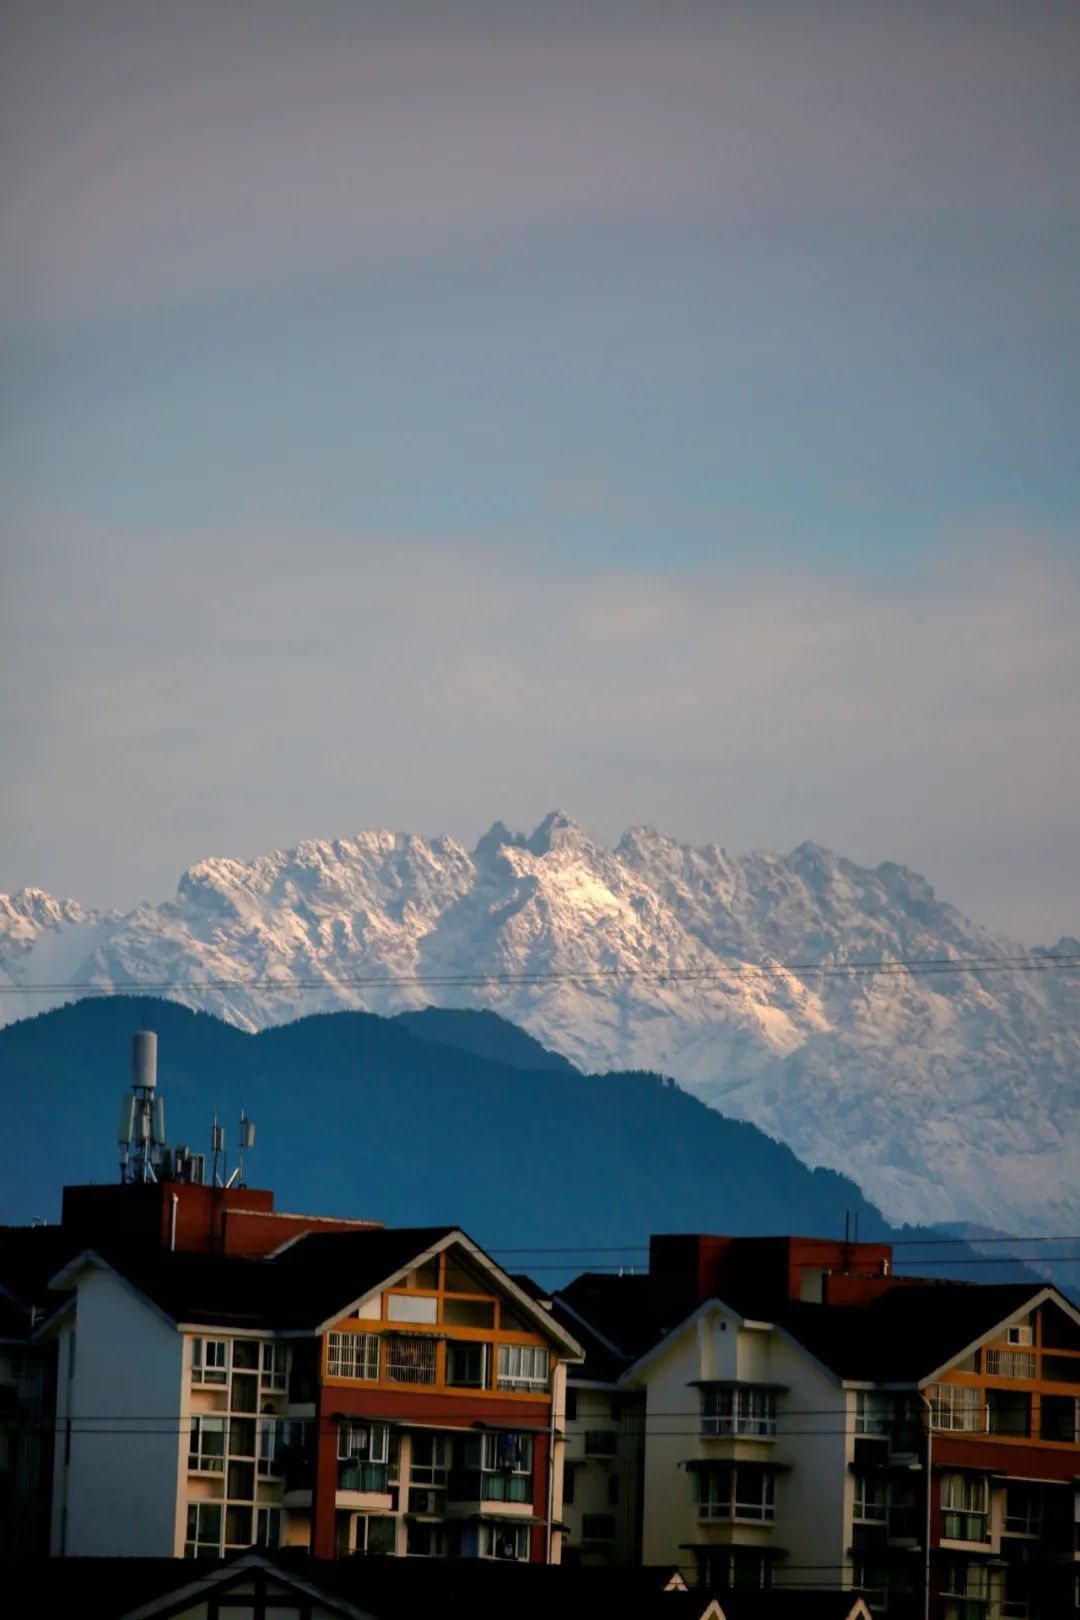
{"x":950,"y":1097}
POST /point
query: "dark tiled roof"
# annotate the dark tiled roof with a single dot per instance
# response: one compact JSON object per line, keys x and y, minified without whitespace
{"x":619,"y":1308}
{"x":906,"y":1333}
{"x":298,"y":1289}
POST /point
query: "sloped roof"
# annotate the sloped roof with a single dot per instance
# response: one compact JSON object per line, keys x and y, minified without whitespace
{"x":621,"y":1309}
{"x":906,"y":1333}
{"x":301,"y":1286}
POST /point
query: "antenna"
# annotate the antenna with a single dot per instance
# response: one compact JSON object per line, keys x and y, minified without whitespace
{"x":247,"y":1140}
{"x":141,"y":1132}
{"x":217,"y":1151}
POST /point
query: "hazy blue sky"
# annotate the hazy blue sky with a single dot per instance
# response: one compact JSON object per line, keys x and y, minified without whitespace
{"x":415,"y":414}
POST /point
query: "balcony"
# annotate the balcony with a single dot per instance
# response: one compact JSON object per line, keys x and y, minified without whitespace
{"x":598,"y":1527}
{"x":904,"y":1523}
{"x":601,"y":1442}
{"x":1010,"y":1363}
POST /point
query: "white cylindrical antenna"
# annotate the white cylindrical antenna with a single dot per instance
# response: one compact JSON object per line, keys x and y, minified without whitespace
{"x":144,"y":1059}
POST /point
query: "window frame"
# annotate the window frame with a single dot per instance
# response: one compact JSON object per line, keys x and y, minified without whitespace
{"x":519,"y":1381}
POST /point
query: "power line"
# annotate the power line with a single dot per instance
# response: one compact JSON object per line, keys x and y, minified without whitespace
{"x":883,"y":967}
{"x":896,"y":1243}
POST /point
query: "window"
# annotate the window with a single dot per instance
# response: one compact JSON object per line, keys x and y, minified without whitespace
{"x":964,"y":1589}
{"x":271,"y":1446}
{"x":268,"y":1527}
{"x":955,"y":1406}
{"x":1008,"y":1411}
{"x":238,"y":1522}
{"x":569,"y":1474}
{"x":410,"y":1358}
{"x":430,"y":1459}
{"x":509,"y":1541}
{"x":871,"y":1505}
{"x":1023,"y":1511}
{"x":738,"y":1411}
{"x":242,"y":1437}
{"x":1019,"y":1333}
{"x":244,"y":1396}
{"x":273,"y":1366}
{"x":1061,"y":1418}
{"x":363,"y":1453}
{"x":738,"y":1568}
{"x":601,"y":1442}
{"x":206,"y":1447}
{"x":873,"y":1412}
{"x":1010,"y":1363}
{"x":964,"y":1507}
{"x":352,"y":1355}
{"x":245,"y":1355}
{"x":571,"y":1403}
{"x":411,"y":1308}
{"x":376,"y":1534}
{"x":368,"y":1441}
{"x":468,"y":1365}
{"x":504,"y":1461}
{"x":729,"y":1492}
{"x":210,"y":1361}
{"x":613,"y":1490}
{"x":203,"y":1530}
{"x":424,"y":1540}
{"x":523,"y":1367}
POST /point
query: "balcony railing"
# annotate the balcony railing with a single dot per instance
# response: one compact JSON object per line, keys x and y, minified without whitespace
{"x":474,"y":1485}
{"x":362,"y":1476}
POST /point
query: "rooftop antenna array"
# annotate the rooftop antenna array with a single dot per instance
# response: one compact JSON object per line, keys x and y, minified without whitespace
{"x":219,"y":1175}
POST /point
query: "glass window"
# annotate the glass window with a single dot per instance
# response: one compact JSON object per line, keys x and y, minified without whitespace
{"x":210,"y":1361}
{"x":412,"y":1308}
{"x":268,"y":1527}
{"x":203,"y":1529}
{"x":271,"y":1445}
{"x":523,"y":1367}
{"x":206,"y":1447}
{"x":871,"y":1500}
{"x":352,"y":1355}
{"x":955,"y":1406}
{"x":468,"y":1365}
{"x":964,"y":1507}
{"x":376,"y":1534}
{"x":273,"y":1366}
{"x":742,"y":1492}
{"x":477,"y":1313}
{"x":238,"y":1527}
{"x":738,"y":1411}
{"x":246,"y":1354}
{"x":242,"y":1437}
{"x":368,"y":1442}
{"x":510,"y":1541}
{"x":430,"y":1458}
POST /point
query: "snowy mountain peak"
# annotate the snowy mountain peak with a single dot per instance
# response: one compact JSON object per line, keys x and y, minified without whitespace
{"x":947,"y":1096}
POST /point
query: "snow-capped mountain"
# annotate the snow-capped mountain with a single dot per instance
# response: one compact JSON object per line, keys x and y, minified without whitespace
{"x":948,"y":1096}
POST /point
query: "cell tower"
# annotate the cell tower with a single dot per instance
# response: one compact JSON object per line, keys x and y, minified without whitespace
{"x":142,"y":1115}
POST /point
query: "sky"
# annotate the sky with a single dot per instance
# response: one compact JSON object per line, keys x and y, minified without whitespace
{"x":417,"y":415}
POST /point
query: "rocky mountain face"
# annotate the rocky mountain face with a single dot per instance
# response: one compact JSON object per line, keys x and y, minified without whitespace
{"x":947,"y":1095}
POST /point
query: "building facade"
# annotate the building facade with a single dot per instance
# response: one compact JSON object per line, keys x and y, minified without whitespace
{"x":375,"y":1391}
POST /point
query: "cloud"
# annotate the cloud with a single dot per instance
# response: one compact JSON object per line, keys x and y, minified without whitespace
{"x":177,"y":698}
{"x":173,"y":151}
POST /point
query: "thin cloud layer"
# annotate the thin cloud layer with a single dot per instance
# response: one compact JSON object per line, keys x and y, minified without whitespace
{"x":213,"y":697}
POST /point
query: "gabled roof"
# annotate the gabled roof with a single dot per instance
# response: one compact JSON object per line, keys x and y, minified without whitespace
{"x":908,"y":1334}
{"x":305,"y":1286}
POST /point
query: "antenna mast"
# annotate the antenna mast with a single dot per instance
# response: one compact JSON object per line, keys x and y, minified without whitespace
{"x":142,"y":1115}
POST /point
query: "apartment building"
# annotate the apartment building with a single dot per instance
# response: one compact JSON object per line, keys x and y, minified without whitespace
{"x":378,"y":1390}
{"x":795,"y":1413}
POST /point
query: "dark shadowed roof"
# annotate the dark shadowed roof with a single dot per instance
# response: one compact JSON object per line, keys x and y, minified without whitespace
{"x":906,"y":1333}
{"x":620,"y":1309}
{"x":405,"y":1588}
